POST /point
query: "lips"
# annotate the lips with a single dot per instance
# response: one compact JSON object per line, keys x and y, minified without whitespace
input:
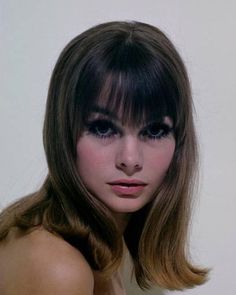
{"x":130,"y":187}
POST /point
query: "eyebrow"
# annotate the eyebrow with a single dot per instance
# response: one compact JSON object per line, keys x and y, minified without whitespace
{"x":110,"y":114}
{"x":104,"y":111}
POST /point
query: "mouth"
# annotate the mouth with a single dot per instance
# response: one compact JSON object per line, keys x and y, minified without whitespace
{"x":128,"y":182}
{"x":125,"y":187}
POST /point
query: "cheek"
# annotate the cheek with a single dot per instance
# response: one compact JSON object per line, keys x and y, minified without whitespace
{"x":89,"y":156}
{"x":160,"y":161}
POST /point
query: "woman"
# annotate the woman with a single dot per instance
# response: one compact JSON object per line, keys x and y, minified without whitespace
{"x":121,"y":151}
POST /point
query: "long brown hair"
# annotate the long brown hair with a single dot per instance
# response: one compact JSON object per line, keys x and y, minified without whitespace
{"x":132,"y":67}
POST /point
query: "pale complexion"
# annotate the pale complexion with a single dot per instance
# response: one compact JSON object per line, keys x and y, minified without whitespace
{"x":108,"y":151}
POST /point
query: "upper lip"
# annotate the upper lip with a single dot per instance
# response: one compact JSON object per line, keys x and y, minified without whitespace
{"x":128,"y":181}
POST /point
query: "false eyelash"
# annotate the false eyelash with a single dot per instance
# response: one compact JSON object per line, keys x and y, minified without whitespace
{"x":165,"y":129}
{"x":92,"y":128}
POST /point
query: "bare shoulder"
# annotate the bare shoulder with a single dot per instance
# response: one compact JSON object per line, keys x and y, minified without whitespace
{"x":42,"y":263}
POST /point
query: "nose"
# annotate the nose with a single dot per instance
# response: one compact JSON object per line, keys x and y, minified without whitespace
{"x":129,"y":157}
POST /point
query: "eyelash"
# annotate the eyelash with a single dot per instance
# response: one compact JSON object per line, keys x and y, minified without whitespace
{"x":92,"y":128}
{"x":164,"y":129}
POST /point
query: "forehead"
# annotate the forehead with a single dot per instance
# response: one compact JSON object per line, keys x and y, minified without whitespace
{"x":129,"y":98}
{"x":98,"y":110}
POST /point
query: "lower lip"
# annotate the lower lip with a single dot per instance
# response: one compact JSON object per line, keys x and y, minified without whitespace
{"x":127,"y":190}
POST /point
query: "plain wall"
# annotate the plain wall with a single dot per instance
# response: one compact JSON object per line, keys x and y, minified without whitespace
{"x":33,"y":33}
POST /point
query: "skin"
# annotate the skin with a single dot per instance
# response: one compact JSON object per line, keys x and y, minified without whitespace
{"x":43,"y":263}
{"x":127,"y":153}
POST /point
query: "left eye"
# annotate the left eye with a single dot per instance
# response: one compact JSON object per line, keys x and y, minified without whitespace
{"x":102,"y":128}
{"x":157,"y":131}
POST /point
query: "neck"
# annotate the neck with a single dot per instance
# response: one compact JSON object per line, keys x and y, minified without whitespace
{"x":122,"y":220}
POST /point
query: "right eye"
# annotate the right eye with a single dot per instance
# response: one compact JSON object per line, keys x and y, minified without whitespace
{"x":102,"y":128}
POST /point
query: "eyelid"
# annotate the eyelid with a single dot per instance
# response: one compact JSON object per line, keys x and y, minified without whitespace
{"x":161,"y":124}
{"x":115,"y":125}
{"x":100,"y":117}
{"x":163,"y":130}
{"x":111,"y":117}
{"x":108,"y":121}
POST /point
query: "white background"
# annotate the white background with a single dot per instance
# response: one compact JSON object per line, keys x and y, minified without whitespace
{"x":33,"y":33}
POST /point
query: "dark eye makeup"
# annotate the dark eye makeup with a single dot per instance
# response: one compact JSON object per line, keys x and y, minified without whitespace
{"x":156,"y":130}
{"x":103,"y":128}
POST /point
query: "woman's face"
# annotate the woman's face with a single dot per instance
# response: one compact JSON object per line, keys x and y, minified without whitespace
{"x":120,"y":165}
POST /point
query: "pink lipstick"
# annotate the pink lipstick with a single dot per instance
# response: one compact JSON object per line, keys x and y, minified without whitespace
{"x":127,"y":187}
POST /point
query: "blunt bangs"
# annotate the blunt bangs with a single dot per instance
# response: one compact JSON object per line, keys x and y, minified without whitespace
{"x":130,"y":81}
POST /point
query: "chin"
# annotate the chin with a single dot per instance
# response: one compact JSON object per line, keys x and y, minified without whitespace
{"x":126,"y":208}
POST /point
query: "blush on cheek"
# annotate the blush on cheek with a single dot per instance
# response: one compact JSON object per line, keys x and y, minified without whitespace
{"x":88,"y":156}
{"x":160,"y":162}
{"x":165,"y":155}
